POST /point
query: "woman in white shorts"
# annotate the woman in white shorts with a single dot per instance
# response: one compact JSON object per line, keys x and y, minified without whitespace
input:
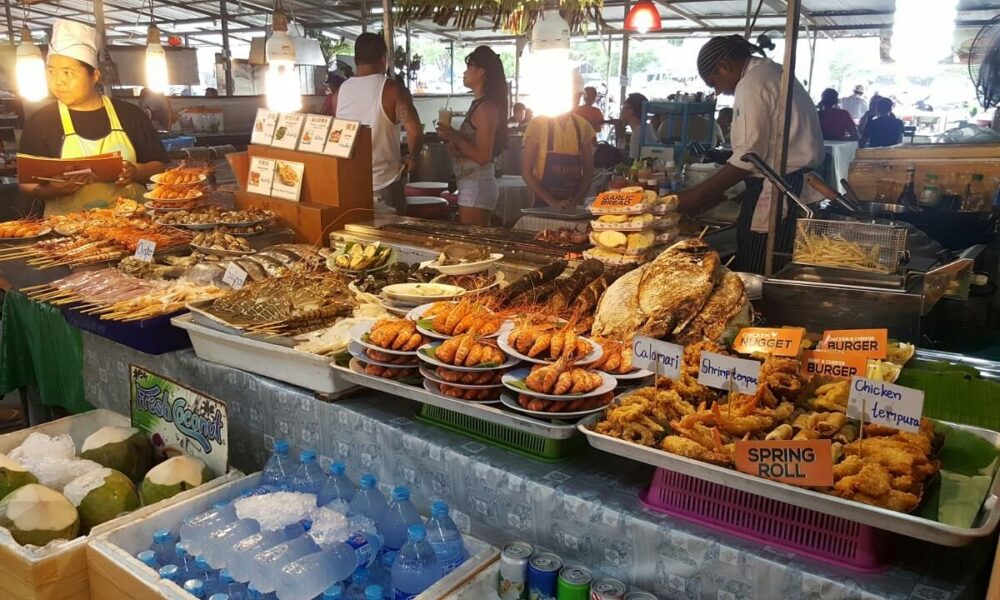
{"x":481,"y":137}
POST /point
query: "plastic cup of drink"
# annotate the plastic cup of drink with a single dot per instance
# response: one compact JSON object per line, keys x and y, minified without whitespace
{"x":444,"y":117}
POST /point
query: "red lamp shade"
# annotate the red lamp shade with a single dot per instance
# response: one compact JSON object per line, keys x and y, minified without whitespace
{"x":174,"y":41}
{"x":644,"y":17}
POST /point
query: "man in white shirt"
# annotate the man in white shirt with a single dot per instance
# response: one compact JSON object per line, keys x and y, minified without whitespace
{"x":631,"y":116}
{"x":727,"y":65}
{"x":856,"y":104}
{"x":386,"y":106}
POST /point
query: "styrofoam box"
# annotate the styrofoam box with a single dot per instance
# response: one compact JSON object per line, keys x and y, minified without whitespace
{"x":59,"y":571}
{"x":292,"y":366}
{"x":115,"y":573}
{"x":481,"y":587}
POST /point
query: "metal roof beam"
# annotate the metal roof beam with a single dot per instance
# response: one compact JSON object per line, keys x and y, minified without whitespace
{"x":681,"y":12}
{"x":782,"y":5}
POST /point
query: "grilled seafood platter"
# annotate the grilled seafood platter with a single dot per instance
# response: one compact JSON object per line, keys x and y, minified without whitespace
{"x":449,"y":318}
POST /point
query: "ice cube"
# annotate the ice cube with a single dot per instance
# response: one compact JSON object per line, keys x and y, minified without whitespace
{"x":39,"y":446}
{"x":276,"y":510}
{"x":329,"y":527}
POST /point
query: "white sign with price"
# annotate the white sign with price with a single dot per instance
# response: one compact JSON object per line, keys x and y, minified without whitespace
{"x":662,"y":358}
{"x":234,"y":276}
{"x":145,"y":250}
{"x":884,"y":403}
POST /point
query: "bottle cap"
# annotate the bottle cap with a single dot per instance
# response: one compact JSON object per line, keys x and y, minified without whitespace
{"x":225,"y":576}
{"x":307,"y":456}
{"x":181,"y":549}
{"x":169,"y":572}
{"x":439,"y":508}
{"x":219,"y":596}
{"x":194,"y":586}
{"x":280,"y":446}
{"x":334,"y":592}
{"x":148,"y":557}
{"x":161,"y":536}
{"x":400,"y":493}
{"x":388,"y":558}
{"x":337,"y":468}
{"x":367,"y":481}
{"x":416,"y":533}
{"x":201,"y":563}
{"x":361,"y":575}
{"x":373,"y":592}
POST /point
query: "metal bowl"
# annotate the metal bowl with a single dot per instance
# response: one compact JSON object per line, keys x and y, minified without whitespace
{"x":881,"y":208}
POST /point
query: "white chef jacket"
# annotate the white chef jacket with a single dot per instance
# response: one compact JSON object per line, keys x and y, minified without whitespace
{"x":758,"y":112}
{"x":856,"y":105}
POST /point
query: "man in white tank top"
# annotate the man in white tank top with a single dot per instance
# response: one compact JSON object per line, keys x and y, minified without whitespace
{"x":386,"y":106}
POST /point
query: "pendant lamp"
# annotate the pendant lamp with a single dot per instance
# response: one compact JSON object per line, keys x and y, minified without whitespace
{"x":31,"y":83}
{"x":156,"y":61}
{"x":643,"y":18}
{"x":282,"y":81}
{"x":548,"y":72}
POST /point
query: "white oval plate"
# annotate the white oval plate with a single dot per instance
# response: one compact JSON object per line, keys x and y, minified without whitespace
{"x":630,"y":376}
{"x":433,"y":388}
{"x":464,"y":268}
{"x":220,"y":252}
{"x":407,"y":292}
{"x":422,"y":355}
{"x":594,"y":355}
{"x":415,"y":315}
{"x":356,"y":366}
{"x":358,"y":351}
{"x":156,"y":179}
{"x":511,"y":402}
{"x":433,"y":376}
{"x":44,"y":232}
{"x":610,"y":383}
{"x":358,"y":332}
{"x":149,"y":196}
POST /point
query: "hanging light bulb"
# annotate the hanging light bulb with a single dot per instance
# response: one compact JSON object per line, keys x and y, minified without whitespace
{"x":282,"y":81}
{"x":156,"y":62}
{"x":548,"y":73}
{"x":31,"y":83}
{"x":643,"y":18}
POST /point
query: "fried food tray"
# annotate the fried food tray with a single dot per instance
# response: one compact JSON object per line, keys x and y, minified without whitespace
{"x":901,"y":523}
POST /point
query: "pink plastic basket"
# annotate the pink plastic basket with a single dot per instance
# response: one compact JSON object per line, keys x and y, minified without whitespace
{"x":758,"y":518}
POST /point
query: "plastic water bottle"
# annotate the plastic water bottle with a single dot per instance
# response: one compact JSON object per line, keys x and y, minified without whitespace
{"x":209,"y":576}
{"x":186,"y":563}
{"x":163,"y":546}
{"x":416,"y":568}
{"x":215,"y":546}
{"x":231,"y":588}
{"x":199,"y":526}
{"x":254,"y":594}
{"x":268,"y":563}
{"x":382,"y":575}
{"x":307,"y":577}
{"x":334,"y":592}
{"x":373,"y":592}
{"x":398,"y":518}
{"x":278,"y":467}
{"x":308,"y":478}
{"x":359,"y":581}
{"x":219,"y":596}
{"x":148,"y":558}
{"x":240,"y":557}
{"x":337,"y":486}
{"x":369,"y":501}
{"x":170,"y":573}
{"x":443,"y":535}
{"x":195,"y":587}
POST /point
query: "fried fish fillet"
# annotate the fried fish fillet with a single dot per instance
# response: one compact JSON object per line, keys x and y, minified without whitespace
{"x":618,"y":313}
{"x":726,"y":302}
{"x":676,"y":285}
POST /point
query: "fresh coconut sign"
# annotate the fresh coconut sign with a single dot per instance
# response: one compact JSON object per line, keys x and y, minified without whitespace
{"x":179,"y":420}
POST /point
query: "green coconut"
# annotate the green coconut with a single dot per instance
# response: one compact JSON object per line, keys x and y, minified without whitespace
{"x":172,"y":477}
{"x":35,"y":514}
{"x":124,"y":449}
{"x":100,"y":496}
{"x":13,"y":475}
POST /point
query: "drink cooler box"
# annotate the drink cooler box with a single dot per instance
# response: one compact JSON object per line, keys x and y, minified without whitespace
{"x":60,"y":573}
{"x":116,"y":574}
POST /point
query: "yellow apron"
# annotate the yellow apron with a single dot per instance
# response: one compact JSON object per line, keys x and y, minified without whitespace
{"x":98,"y":194}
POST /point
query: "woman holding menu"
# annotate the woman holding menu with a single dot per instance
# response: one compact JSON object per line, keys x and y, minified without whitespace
{"x":83,"y":122}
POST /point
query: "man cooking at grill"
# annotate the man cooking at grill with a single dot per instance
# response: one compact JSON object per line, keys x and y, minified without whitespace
{"x":728,"y":65}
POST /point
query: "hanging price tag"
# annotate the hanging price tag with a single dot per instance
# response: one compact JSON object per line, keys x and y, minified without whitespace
{"x":145,"y":250}
{"x":234,"y":276}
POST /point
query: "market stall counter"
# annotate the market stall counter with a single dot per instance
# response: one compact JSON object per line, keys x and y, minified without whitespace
{"x":586,"y":509}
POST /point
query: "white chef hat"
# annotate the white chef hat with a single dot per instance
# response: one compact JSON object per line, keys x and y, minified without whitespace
{"x":75,"y":40}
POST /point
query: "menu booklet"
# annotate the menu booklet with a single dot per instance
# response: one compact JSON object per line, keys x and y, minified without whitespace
{"x":36,"y":169}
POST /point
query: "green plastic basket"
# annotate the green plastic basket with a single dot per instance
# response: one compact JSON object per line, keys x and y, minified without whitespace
{"x":527,"y":444}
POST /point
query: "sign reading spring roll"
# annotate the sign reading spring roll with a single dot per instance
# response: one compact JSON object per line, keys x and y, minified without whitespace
{"x":263,"y":127}
{"x":825,"y":363}
{"x":873,"y":343}
{"x":724,"y":372}
{"x":314,"y":133}
{"x":784,"y":341}
{"x":343,"y":134}
{"x":797,"y":462}
{"x":286,"y":134}
{"x":657,"y":356}
{"x":872,"y":401}
{"x":179,"y":420}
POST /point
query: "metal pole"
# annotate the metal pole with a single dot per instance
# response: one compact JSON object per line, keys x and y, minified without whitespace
{"x":623,"y":77}
{"x":451,"y":65}
{"x":227,"y":60}
{"x":787,"y":89}
{"x":387,"y":32}
{"x":407,"y":30}
{"x":812,"y":59}
{"x":364,"y":16}
{"x":746,"y":30}
{"x":10,"y":23}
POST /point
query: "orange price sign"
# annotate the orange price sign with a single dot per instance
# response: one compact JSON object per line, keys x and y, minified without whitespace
{"x":784,"y":341}
{"x":873,"y":343}
{"x":827,"y":363}
{"x":807,"y":463}
{"x":612,"y":200}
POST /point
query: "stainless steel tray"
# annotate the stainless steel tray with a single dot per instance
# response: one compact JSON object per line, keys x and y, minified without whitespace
{"x":902,"y":523}
{"x":555,"y":431}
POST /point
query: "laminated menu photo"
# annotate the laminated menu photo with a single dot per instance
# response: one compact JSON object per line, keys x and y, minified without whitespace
{"x":287,"y":180}
{"x":314,"y":133}
{"x":286,"y":135}
{"x":340,"y":142}
{"x":263,"y":127}
{"x":261,"y":176}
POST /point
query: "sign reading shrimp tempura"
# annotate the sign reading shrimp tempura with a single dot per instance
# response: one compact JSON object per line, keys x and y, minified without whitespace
{"x":726,"y":372}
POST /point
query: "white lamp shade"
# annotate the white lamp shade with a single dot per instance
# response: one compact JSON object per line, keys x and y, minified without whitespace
{"x":157,"y":79}
{"x":31,"y":82}
{"x":547,"y":69}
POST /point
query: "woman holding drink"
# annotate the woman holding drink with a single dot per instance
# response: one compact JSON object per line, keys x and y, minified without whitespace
{"x":481,"y":137}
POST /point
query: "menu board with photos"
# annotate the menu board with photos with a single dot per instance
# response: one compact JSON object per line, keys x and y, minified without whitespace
{"x":263,"y":127}
{"x":261,"y":177}
{"x":343,"y":134}
{"x":286,"y":134}
{"x":287,"y":180}
{"x":314,"y":133}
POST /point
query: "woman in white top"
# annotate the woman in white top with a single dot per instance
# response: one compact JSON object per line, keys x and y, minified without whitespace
{"x":481,"y":137}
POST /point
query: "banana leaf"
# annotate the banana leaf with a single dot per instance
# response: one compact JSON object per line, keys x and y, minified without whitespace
{"x":968,"y":464}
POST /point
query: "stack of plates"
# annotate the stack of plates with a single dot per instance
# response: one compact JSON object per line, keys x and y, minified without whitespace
{"x":401,"y":298}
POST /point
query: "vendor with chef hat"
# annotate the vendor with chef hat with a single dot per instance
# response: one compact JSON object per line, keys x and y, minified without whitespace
{"x":83,"y":122}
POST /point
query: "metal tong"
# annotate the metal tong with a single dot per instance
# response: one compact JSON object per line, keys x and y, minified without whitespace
{"x":778,"y":181}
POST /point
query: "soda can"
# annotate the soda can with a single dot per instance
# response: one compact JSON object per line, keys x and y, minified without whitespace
{"x":512,"y":582}
{"x":607,"y":589}
{"x":574,"y":583}
{"x":543,"y":575}
{"x":639,"y":596}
